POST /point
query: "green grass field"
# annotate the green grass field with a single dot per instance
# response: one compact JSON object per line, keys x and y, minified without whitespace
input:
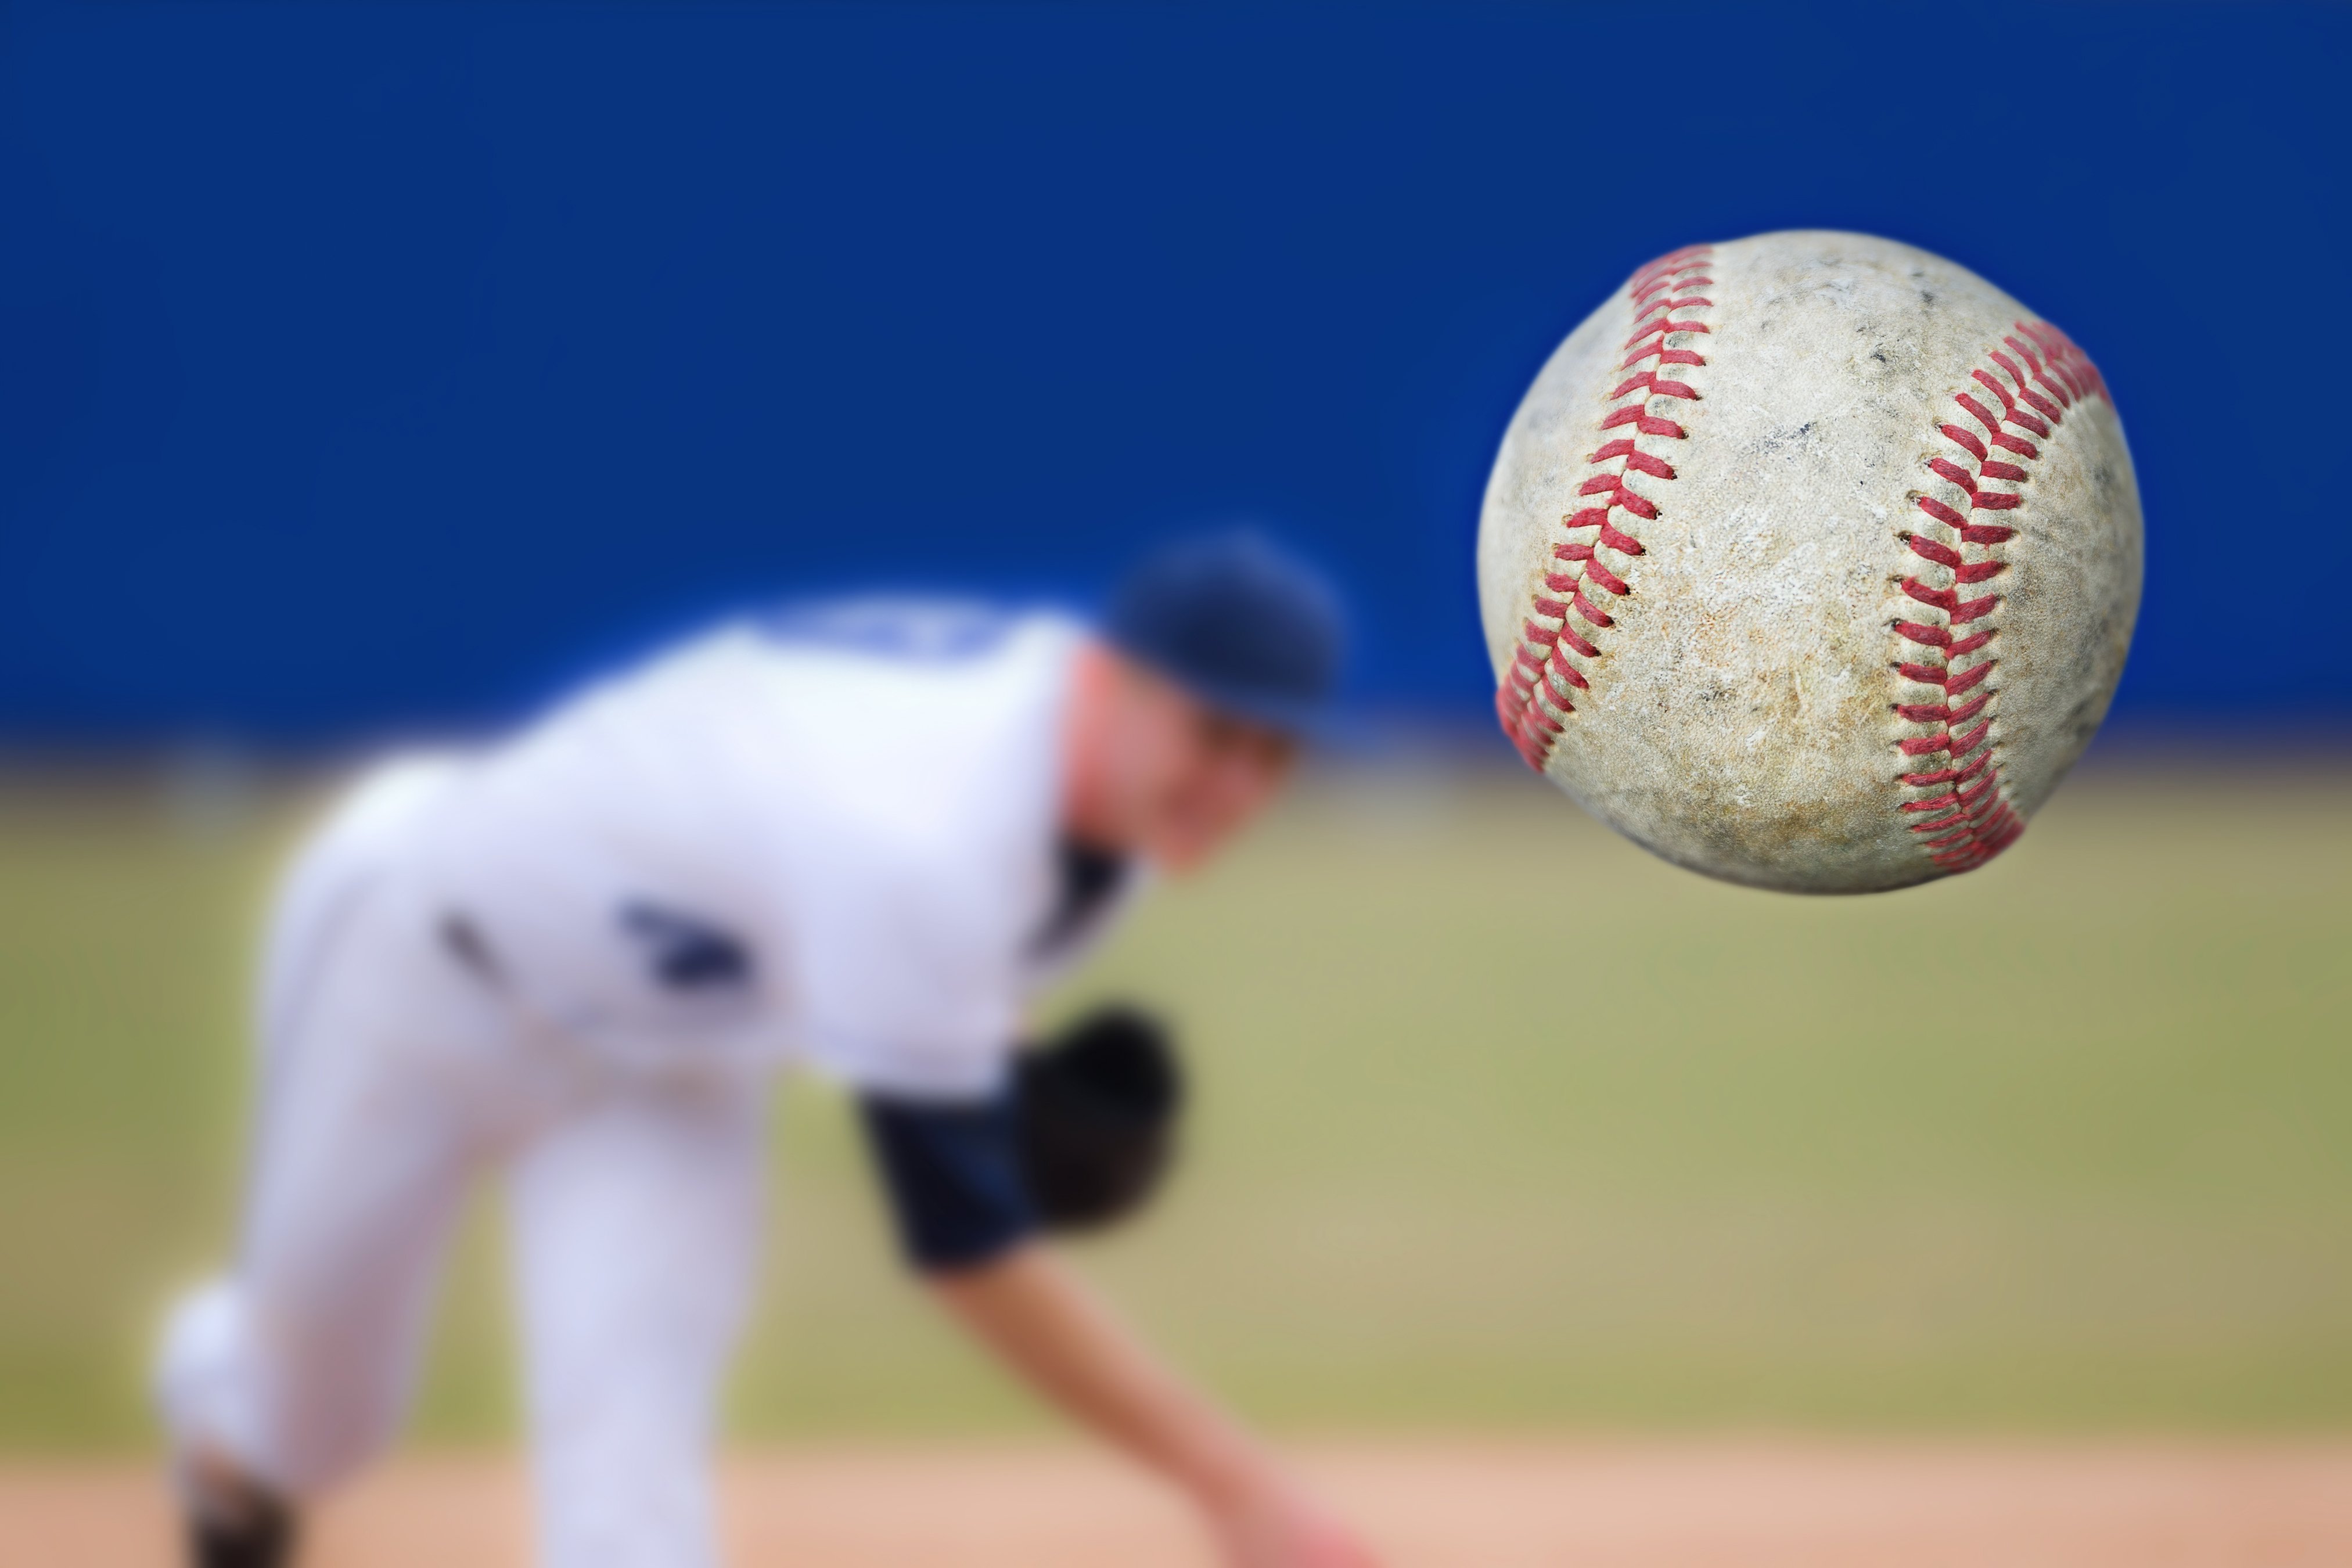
{"x":1502,"y":1124}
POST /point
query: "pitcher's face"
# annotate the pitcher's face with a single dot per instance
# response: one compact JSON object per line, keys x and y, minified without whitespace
{"x":1159,"y":773}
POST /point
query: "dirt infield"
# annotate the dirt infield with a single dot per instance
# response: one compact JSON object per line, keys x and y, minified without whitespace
{"x":1467,"y":1505}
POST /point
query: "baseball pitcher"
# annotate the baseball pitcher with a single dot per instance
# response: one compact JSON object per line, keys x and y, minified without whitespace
{"x":857,"y":839}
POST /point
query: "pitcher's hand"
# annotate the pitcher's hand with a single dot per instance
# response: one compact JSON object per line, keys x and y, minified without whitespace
{"x":1277,"y":1526}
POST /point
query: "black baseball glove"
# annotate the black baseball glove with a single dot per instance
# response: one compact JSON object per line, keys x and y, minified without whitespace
{"x":1098,"y":1108}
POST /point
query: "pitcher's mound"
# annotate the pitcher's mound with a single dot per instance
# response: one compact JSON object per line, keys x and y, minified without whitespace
{"x":1429,"y":1505}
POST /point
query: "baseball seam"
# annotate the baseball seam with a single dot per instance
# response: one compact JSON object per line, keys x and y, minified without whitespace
{"x":1963,"y":812}
{"x":1532,"y":700}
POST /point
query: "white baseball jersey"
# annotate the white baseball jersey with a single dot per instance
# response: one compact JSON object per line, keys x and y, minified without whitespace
{"x":829,"y":836}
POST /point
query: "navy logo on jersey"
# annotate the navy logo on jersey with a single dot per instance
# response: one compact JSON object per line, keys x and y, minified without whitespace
{"x":943,"y":630}
{"x":687,"y":952}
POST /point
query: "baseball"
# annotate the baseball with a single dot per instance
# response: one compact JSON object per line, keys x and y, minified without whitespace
{"x":1809,"y":561}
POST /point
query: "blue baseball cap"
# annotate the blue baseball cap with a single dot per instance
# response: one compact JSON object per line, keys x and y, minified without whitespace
{"x":1246,"y":626}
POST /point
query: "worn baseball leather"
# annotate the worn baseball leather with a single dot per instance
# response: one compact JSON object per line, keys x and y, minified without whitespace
{"x":1779,"y":687}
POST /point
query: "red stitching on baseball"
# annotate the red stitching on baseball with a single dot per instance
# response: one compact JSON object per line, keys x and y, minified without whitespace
{"x":2034,"y":375}
{"x":1533,"y":699}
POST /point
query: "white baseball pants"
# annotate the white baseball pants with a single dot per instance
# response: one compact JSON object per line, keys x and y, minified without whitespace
{"x":391,"y":1078}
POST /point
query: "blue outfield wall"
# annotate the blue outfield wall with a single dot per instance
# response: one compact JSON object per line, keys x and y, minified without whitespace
{"x":364,"y":367}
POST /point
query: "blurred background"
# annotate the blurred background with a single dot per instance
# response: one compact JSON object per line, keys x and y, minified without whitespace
{"x":375,"y":371}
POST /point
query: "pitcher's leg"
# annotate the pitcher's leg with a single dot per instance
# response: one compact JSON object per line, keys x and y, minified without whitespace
{"x":636,"y":1229}
{"x":294,"y":1367}
{"x":378,"y":1100}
